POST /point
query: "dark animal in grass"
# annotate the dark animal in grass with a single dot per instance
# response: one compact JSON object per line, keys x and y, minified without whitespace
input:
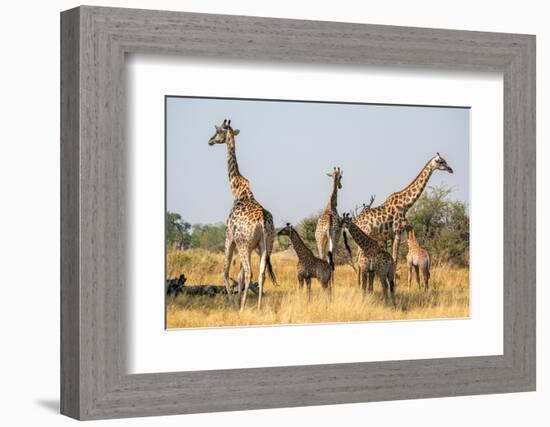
{"x":177,"y":286}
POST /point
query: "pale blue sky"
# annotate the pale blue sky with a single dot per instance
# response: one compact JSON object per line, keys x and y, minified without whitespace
{"x":285,"y":149}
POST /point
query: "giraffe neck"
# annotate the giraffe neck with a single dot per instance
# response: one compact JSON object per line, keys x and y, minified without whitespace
{"x":302,"y":251}
{"x":411,"y":240}
{"x":238,"y":183}
{"x":412,"y":192}
{"x":333,"y":201}
{"x":363,"y":240}
{"x":232,"y":164}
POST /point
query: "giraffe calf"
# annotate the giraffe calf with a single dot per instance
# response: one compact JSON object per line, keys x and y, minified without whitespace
{"x":309,"y":266}
{"x":375,"y":262}
{"x":372,"y":260}
{"x":417,"y":258}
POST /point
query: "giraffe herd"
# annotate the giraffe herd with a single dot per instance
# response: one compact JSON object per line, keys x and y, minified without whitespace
{"x":250,"y":228}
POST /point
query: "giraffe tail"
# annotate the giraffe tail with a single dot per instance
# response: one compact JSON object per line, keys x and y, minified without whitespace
{"x":268,"y":265}
{"x":269,"y":268}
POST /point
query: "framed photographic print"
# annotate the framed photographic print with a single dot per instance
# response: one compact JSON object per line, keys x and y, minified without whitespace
{"x":299,"y":212}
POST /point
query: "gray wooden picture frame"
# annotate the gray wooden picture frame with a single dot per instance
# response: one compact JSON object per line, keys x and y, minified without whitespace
{"x":94,"y":382}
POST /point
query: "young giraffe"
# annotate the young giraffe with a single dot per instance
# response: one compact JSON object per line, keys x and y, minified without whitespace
{"x":372,"y":259}
{"x":328,"y":230}
{"x":249,"y":225}
{"x":309,"y":266}
{"x":387,"y":219}
{"x":417,"y":258}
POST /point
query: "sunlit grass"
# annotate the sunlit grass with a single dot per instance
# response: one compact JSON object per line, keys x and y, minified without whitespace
{"x":448,"y":296}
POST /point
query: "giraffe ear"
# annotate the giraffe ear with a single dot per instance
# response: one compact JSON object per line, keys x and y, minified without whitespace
{"x":218,"y":128}
{"x":328,"y":174}
{"x":236,"y":131}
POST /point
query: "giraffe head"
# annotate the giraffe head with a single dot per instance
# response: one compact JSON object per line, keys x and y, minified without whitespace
{"x":336,"y":175}
{"x":224,"y":133}
{"x":346,"y":219}
{"x":439,"y":163}
{"x":286,"y":230}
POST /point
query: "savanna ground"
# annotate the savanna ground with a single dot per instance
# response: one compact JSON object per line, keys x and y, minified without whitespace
{"x":447,"y":297}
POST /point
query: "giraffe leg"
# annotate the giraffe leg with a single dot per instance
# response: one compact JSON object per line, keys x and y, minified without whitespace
{"x":240,"y":281}
{"x":395,"y":250}
{"x":409,"y":278}
{"x":300,"y":282}
{"x":417,"y":275}
{"x":245,"y":261}
{"x":371,"y":281}
{"x":308,"y":287}
{"x":391,"y":283}
{"x":327,"y":286}
{"x":365,"y":282}
{"x":384,"y":284}
{"x":229,"y":250}
{"x":426,"y":276}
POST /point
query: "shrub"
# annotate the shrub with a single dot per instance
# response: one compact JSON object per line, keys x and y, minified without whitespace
{"x":442,"y":225}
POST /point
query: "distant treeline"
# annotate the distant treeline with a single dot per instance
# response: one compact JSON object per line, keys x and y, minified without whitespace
{"x":442,"y":226}
{"x":182,"y":235}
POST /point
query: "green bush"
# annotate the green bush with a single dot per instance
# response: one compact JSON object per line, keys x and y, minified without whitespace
{"x":442,"y":226}
{"x":177,"y":231}
{"x":211,"y":237}
{"x":182,"y":235}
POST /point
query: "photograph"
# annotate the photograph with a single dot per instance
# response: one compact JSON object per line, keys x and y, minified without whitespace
{"x":300,"y":212}
{"x":283,"y":212}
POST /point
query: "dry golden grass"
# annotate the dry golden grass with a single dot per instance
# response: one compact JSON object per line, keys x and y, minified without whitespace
{"x":448,"y":296}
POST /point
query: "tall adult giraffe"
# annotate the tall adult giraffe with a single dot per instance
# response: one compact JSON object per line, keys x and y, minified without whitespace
{"x":249,"y":225}
{"x":329,"y":226}
{"x":388,"y":220}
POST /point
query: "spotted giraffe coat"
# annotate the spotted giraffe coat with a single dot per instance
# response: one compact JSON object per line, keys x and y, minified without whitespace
{"x":388,"y":219}
{"x":372,"y":260}
{"x":249,"y":226}
{"x":329,"y":228}
{"x":309,"y":266}
{"x":418,"y":259}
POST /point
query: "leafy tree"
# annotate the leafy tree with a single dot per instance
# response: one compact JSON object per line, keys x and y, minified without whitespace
{"x":306,"y":228}
{"x":177,"y":231}
{"x":442,"y":225}
{"x":210,"y":236}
